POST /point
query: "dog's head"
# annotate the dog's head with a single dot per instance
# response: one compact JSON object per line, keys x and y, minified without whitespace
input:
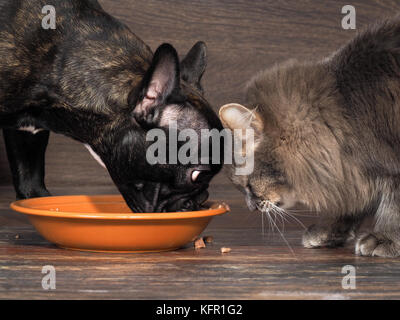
{"x":157,"y":159}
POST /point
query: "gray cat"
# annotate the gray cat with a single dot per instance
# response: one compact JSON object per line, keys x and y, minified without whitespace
{"x":327,"y":135}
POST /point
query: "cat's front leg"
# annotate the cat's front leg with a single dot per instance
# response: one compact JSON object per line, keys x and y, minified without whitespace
{"x":332,"y":232}
{"x":384,"y":241}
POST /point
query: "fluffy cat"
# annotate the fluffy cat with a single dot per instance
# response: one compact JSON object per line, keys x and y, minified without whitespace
{"x":328,"y":136}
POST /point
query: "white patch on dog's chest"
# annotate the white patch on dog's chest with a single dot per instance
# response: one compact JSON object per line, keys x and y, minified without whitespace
{"x":30,"y":129}
{"x":95,"y":156}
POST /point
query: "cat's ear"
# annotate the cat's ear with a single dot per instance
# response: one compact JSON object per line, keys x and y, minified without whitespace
{"x":159,"y":82}
{"x":235,"y":116}
{"x":194,"y":65}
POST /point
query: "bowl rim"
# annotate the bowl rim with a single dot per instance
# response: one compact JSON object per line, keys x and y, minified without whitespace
{"x":25,"y":206}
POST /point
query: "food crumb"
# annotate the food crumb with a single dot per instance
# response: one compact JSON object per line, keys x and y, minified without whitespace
{"x":226,"y":250}
{"x":199,"y":243}
{"x":208,"y":239}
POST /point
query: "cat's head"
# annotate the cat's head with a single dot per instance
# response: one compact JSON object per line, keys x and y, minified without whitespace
{"x":267,"y":183}
{"x":291,"y":110}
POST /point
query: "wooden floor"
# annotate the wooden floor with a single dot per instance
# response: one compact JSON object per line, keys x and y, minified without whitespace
{"x":243,"y":37}
{"x":260,"y":266}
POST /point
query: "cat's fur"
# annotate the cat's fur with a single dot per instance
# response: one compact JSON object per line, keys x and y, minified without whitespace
{"x":328,"y":136}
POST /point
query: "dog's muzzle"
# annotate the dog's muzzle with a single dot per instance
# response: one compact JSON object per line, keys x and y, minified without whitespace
{"x":149,"y":197}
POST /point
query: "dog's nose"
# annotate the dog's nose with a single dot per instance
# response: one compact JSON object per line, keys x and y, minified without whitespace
{"x":188,"y":203}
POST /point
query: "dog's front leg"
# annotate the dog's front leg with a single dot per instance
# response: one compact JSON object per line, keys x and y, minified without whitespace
{"x":26,"y":155}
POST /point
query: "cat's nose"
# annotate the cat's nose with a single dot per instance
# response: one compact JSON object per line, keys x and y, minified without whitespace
{"x":251,"y":202}
{"x":251,"y":199}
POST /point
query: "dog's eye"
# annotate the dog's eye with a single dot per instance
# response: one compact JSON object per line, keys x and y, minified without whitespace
{"x":199,"y":176}
{"x":195,"y":175}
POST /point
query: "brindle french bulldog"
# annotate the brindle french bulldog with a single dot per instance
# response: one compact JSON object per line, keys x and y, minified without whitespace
{"x":93,"y":80}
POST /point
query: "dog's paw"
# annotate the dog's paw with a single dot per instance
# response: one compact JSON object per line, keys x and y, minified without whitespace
{"x":318,"y":236}
{"x":376,"y":244}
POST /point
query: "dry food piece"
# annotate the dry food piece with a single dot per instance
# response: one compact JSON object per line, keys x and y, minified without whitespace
{"x":226,"y":250}
{"x":208,"y":239}
{"x":220,"y":205}
{"x":199,"y":243}
{"x":226,"y":206}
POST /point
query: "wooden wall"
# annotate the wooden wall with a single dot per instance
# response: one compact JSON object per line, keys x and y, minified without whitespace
{"x":243,"y":37}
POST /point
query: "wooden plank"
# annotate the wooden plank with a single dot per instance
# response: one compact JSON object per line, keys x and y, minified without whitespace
{"x":256,"y":268}
{"x":260,"y":265}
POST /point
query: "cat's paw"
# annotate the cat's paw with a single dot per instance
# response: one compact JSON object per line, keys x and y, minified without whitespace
{"x":315,"y":237}
{"x":318,"y":236}
{"x":376,"y":244}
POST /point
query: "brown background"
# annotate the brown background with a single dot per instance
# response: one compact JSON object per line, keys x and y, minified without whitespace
{"x":243,"y":37}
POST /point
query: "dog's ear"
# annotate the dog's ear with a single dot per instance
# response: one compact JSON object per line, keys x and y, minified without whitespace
{"x":194,"y":65}
{"x":160,"y":81}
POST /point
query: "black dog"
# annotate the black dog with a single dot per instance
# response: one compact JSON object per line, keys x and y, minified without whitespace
{"x":93,"y":80}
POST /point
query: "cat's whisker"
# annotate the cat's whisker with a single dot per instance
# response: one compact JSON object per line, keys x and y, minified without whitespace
{"x":288,"y":214}
{"x":263,"y":208}
{"x":265,"y":212}
{"x":283,"y":237}
{"x":303,"y":213}
{"x":283,"y":220}
{"x":270,"y":225}
{"x":270,"y":219}
{"x":298,"y":221}
{"x":269,"y":209}
{"x":262,"y":224}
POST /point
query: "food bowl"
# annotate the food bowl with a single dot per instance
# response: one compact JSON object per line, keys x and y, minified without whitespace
{"x":106,"y":224}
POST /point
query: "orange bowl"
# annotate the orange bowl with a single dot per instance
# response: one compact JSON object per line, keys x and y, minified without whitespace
{"x":106,"y":224}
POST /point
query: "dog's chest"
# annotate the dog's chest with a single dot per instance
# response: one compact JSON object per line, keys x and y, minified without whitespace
{"x":95,"y":156}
